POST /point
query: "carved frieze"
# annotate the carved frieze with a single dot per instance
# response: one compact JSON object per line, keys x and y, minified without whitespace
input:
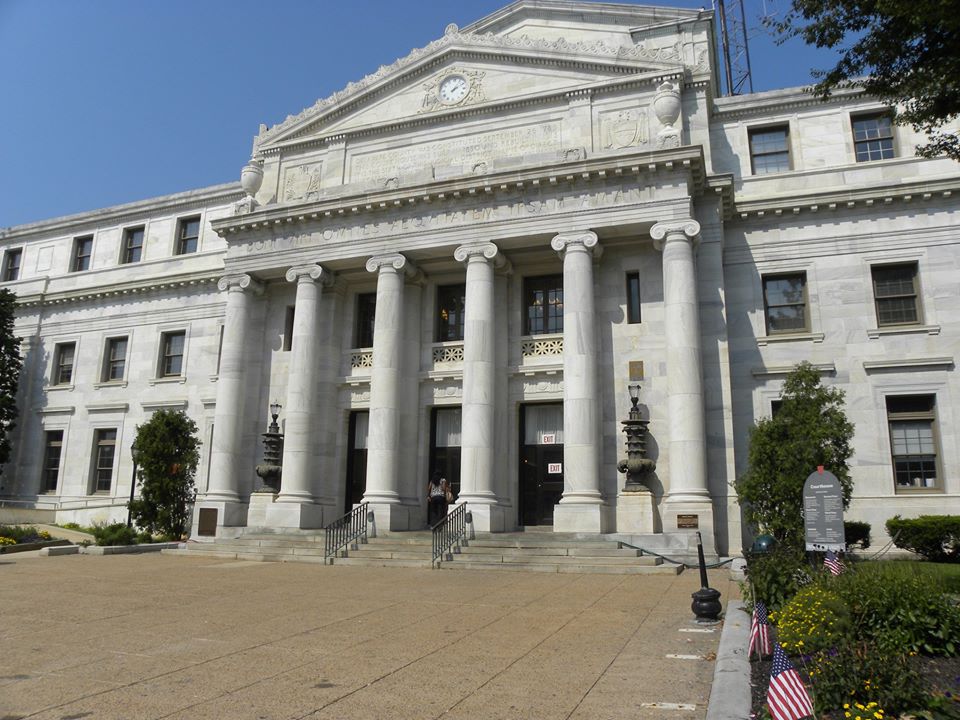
{"x":625,"y":128}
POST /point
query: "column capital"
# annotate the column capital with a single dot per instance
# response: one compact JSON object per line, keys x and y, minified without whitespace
{"x":662,"y":232}
{"x":310,"y":273}
{"x":580,"y":239}
{"x":485,"y":251}
{"x":394,"y":262}
{"x":241,"y":282}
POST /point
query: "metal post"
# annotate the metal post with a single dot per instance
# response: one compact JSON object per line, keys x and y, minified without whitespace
{"x":706,"y":601}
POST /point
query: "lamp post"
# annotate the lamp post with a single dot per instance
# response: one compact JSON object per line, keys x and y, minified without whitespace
{"x":270,"y":470}
{"x":637,"y":465}
{"x":133,"y":480}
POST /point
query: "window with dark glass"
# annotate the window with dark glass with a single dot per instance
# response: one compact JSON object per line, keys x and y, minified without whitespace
{"x":451,"y":300}
{"x":785,"y":303}
{"x":115,"y":359}
{"x":52,"y":448}
{"x":770,"y":150}
{"x":366,"y":313}
{"x":895,"y":294}
{"x":543,"y":299}
{"x":106,"y":445}
{"x":288,"y":328}
{"x":132,"y":244}
{"x":63,"y":363}
{"x":11,"y":264}
{"x":188,"y":234}
{"x":913,"y":442}
{"x":82,"y":250}
{"x":633,"y":297}
{"x":873,"y":136}
{"x":171,"y":359}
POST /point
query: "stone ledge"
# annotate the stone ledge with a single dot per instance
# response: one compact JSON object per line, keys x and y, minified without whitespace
{"x":60,"y":550}
{"x":128,"y":549}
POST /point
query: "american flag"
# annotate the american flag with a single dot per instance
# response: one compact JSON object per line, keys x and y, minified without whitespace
{"x":759,"y":631}
{"x":787,"y":698}
{"x":832,"y":563}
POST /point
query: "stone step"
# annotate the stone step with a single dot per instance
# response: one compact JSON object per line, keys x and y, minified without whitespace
{"x":368,"y":552}
{"x":567,"y":551}
{"x":250,"y":556}
{"x":555,"y":560}
{"x":510,"y":542}
{"x":558,"y":568}
{"x":381,"y":562}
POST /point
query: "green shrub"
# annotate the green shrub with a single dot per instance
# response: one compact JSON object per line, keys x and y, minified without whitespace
{"x":70,"y":526}
{"x":815,"y":619}
{"x":144,"y":538}
{"x":775,"y":577}
{"x":856,"y":533}
{"x":935,"y":537}
{"x":20,"y":533}
{"x":115,"y":534}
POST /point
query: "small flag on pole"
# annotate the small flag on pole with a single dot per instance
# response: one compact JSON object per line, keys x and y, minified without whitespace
{"x":832,"y":563}
{"x":787,"y":698}
{"x":759,"y":631}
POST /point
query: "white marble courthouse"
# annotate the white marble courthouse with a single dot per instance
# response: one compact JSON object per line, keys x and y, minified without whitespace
{"x":461,"y":261}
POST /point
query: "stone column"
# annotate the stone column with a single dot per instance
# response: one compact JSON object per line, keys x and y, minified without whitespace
{"x":230,"y":460}
{"x":581,"y":508}
{"x":687,"y":492}
{"x":391,"y":509}
{"x":296,"y":506}
{"x":479,"y":386}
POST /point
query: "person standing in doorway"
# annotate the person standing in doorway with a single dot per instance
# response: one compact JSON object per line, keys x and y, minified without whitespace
{"x":437,"y":491}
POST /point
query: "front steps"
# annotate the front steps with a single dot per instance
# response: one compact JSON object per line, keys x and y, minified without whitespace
{"x":536,"y":551}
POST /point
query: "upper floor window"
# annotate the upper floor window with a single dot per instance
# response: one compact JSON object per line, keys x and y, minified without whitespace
{"x":913,"y":441}
{"x":52,"y":448}
{"x":770,"y":150}
{"x":633,"y":297}
{"x":895,"y":294}
{"x":366,"y":313}
{"x":132,"y":244}
{"x":543,"y":299}
{"x":451,"y":300}
{"x":873,"y":136}
{"x":63,"y":356}
{"x":785,"y":303}
{"x":115,"y":359}
{"x":82,"y":250}
{"x":171,"y":353}
{"x":105,"y":445}
{"x":188,"y":234}
{"x":11,"y":264}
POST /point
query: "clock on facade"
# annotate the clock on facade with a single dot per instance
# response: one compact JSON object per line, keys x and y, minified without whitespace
{"x":453,"y":89}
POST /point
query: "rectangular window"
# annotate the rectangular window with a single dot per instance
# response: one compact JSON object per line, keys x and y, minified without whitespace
{"x":288,"y":328}
{"x":873,"y":136}
{"x":451,"y":301}
{"x":104,"y":451}
{"x":913,"y":444}
{"x":785,"y":303}
{"x":115,"y":359}
{"x":132,"y":245}
{"x":171,"y":357}
{"x":770,"y":150}
{"x":82,"y":249}
{"x":366,"y":313}
{"x":188,"y":234}
{"x":11,"y":264}
{"x":63,"y":363}
{"x":633,"y":297}
{"x":543,"y":299}
{"x":895,"y":294}
{"x":52,"y":447}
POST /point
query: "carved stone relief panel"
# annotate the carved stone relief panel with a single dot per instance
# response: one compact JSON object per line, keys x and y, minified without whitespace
{"x":456,"y":87}
{"x":625,"y":128}
{"x":301,"y":182}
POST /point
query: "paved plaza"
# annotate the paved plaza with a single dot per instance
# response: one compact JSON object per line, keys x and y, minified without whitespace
{"x":156,"y":636}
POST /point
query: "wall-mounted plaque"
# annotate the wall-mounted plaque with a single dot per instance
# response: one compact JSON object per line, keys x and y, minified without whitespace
{"x":635,"y":370}
{"x":207,"y":522}
{"x":688,"y":522}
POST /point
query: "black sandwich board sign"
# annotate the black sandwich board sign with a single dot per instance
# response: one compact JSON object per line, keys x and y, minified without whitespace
{"x":823,"y":511}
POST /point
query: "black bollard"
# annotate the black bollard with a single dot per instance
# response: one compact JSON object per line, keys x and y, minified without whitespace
{"x":706,"y":601}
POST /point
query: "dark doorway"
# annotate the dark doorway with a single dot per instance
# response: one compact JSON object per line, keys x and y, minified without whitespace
{"x":541,"y":462}
{"x":445,"y":446}
{"x":356,"y":484}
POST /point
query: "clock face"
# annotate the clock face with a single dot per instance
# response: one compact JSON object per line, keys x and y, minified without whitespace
{"x":454,"y":89}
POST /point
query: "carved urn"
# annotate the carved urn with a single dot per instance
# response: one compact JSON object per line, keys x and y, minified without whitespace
{"x":666,"y":104}
{"x":251,"y":177}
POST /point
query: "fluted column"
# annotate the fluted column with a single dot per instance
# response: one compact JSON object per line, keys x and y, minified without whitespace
{"x":580,"y":508}
{"x":228,"y":460}
{"x":687,"y":444}
{"x":479,"y":385}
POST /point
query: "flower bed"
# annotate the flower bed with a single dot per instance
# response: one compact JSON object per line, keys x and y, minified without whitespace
{"x":21,"y":538}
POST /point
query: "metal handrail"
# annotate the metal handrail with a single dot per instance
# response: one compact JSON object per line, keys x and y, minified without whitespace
{"x":449,"y":531}
{"x":345,"y":530}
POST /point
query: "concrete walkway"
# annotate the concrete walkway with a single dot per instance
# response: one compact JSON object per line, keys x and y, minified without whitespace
{"x":172,"y":637}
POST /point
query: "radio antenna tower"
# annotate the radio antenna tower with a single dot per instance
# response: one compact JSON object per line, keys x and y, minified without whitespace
{"x":736,"y":53}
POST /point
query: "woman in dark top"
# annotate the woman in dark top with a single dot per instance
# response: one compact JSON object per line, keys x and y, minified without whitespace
{"x":437,"y":489}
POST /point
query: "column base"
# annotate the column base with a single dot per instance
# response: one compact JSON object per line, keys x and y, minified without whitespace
{"x":297,"y":515}
{"x":395,"y":517}
{"x":218,"y":518}
{"x":689,"y":516}
{"x":637,"y":513}
{"x":581,"y":517}
{"x":487,"y":517}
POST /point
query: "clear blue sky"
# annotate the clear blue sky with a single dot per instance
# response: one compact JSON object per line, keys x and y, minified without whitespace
{"x":109,"y":101}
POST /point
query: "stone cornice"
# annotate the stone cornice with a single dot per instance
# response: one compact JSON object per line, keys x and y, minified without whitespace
{"x":688,"y":159}
{"x":609,"y":13}
{"x":775,"y":102}
{"x":138,"y":287}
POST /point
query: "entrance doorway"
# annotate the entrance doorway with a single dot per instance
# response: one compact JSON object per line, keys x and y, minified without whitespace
{"x":541,"y":462}
{"x":445,"y":446}
{"x":356,"y":483}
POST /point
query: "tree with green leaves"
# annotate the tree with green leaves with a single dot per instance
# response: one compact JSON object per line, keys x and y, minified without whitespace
{"x":167,"y":451}
{"x":10,"y":364}
{"x":808,"y":429}
{"x":907,"y":54}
